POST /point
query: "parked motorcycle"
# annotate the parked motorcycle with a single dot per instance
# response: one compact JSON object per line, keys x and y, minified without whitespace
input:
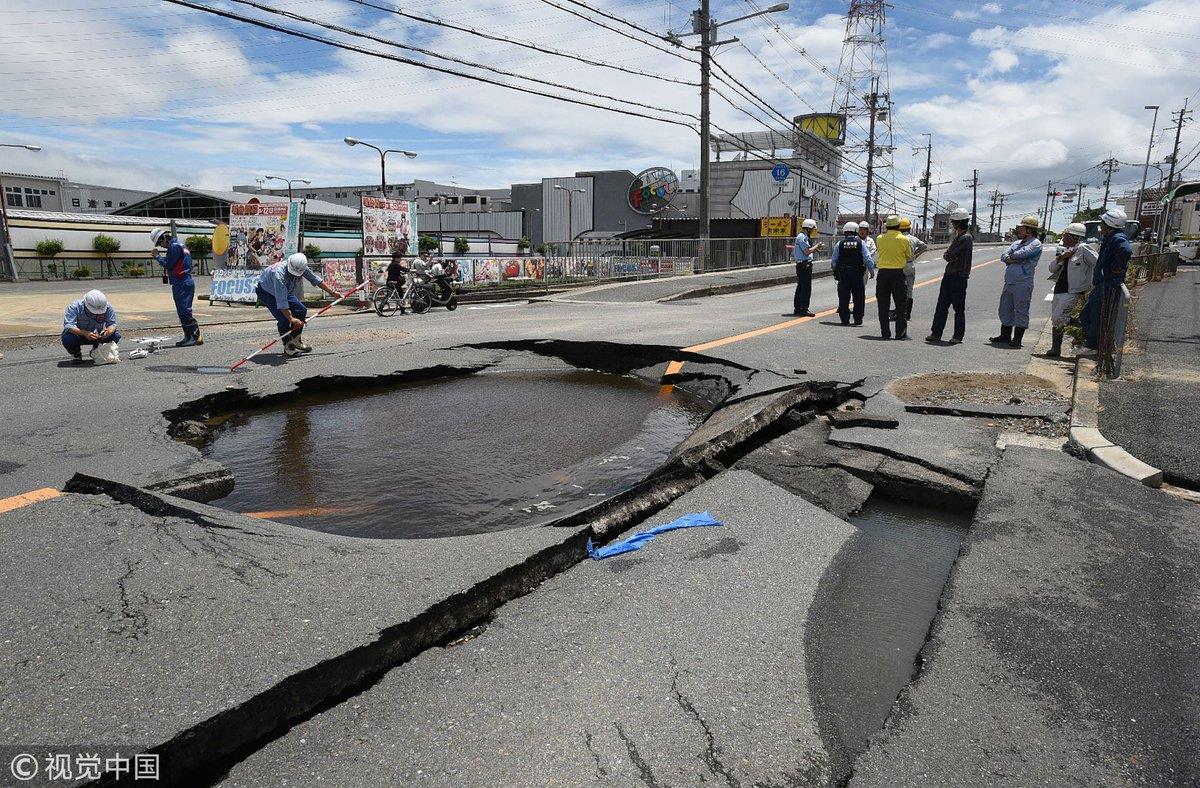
{"x":432,"y":290}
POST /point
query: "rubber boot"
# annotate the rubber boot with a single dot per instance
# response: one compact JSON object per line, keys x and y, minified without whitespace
{"x":298,"y":339}
{"x":1018,"y":333}
{"x":1005,"y":336}
{"x":1056,"y":348}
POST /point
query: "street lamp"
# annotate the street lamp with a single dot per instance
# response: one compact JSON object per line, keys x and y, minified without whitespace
{"x":1146,"y":166}
{"x":288,"y":181}
{"x":10,"y":264}
{"x":570,"y":213}
{"x":352,"y":141}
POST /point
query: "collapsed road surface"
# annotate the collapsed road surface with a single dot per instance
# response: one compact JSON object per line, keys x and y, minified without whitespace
{"x":250,"y":651}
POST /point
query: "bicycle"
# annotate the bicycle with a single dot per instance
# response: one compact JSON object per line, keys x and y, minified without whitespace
{"x":390,"y":299}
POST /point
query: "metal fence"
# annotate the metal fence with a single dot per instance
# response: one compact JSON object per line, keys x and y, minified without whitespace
{"x":51,"y":268}
{"x":723,"y":253}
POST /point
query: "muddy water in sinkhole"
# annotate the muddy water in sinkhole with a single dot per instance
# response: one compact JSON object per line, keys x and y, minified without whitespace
{"x":872,"y":614}
{"x":451,"y":456}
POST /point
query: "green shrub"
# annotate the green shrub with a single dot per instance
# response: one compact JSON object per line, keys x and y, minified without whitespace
{"x":426,"y":243}
{"x":312,"y":252}
{"x":135,"y":270}
{"x":52,"y":268}
{"x":462,"y":245}
{"x":523,"y":244}
{"x":106,"y":244}
{"x":50,"y":247}
{"x":199,"y":245}
{"x":82,"y":272}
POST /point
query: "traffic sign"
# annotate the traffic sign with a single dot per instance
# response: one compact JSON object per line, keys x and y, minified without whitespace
{"x":780,"y":172}
{"x":1151,"y":208}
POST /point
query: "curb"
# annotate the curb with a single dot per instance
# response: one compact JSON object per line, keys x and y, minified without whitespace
{"x":1085,"y":433}
{"x":739,"y":287}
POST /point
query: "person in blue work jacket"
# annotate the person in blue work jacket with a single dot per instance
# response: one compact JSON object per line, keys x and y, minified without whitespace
{"x":852,"y":261}
{"x":279,"y":288}
{"x":177,"y":264}
{"x":803,"y":252}
{"x":89,"y":321}
{"x":1107,"y":276}
{"x":1020,"y":261}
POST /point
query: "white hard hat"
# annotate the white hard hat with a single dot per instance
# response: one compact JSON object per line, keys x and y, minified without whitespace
{"x":297,"y":264}
{"x":960,"y":216}
{"x":1076,"y":229}
{"x":864,"y":226}
{"x":1114,"y":217}
{"x":809,"y":224}
{"x":96,"y":302}
{"x":156,"y":234}
{"x":850,"y":227}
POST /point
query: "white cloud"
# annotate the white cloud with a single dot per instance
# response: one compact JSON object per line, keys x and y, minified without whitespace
{"x":1002,"y":60}
{"x":936,"y":40}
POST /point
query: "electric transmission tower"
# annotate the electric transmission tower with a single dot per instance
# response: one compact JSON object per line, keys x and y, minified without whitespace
{"x":862,"y":93}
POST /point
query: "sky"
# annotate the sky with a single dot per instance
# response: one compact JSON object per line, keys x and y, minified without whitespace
{"x":146,"y":94}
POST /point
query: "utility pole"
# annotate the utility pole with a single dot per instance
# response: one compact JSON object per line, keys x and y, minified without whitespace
{"x":974,"y":201}
{"x":702,"y":25}
{"x":1000,"y":215}
{"x":876,"y":222}
{"x":1049,"y":201}
{"x":992,"y":221}
{"x":1050,"y":216}
{"x":1110,"y":165}
{"x":1181,"y":118}
{"x":872,"y":104}
{"x":1146,"y":167}
{"x":1079,"y":200}
{"x":925,"y":182}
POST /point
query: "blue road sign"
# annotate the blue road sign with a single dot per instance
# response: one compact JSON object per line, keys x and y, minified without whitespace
{"x":780,"y":172}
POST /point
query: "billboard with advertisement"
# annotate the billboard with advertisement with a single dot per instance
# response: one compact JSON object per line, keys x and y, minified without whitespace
{"x":262,"y":234}
{"x":341,"y":275}
{"x":389,"y":226}
{"x":234,"y":285}
{"x":777,"y":227}
{"x":651,"y":191}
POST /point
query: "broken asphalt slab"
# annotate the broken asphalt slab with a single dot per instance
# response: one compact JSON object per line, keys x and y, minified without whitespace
{"x":192,"y":631}
{"x":992,"y":411}
{"x":952,"y":446}
{"x":567,"y":687}
{"x":1067,"y":645}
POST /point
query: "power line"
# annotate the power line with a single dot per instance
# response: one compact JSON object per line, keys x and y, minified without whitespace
{"x":620,"y":32}
{"x":409,"y":61}
{"x":540,"y":48}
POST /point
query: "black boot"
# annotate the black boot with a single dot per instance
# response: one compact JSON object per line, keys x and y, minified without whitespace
{"x":1005,"y":336}
{"x":1018,"y":332}
{"x":1056,"y":348}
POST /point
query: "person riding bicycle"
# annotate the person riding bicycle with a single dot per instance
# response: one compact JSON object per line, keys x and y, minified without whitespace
{"x":397,"y":276}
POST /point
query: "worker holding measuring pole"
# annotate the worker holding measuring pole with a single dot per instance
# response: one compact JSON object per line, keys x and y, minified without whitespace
{"x":279,"y":289}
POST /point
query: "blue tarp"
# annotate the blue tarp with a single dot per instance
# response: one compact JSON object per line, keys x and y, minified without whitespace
{"x":636,"y":541}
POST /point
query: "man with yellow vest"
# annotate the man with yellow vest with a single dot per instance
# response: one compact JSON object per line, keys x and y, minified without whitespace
{"x":894,"y":252}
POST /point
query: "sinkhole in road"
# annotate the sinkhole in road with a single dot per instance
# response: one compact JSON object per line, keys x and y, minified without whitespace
{"x":451,"y":456}
{"x":874,"y":608}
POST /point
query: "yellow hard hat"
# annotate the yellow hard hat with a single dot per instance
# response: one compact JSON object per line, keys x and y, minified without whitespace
{"x":905,"y":224}
{"x":891,"y":221}
{"x":1030,"y":222}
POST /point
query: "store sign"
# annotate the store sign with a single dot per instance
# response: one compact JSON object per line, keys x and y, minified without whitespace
{"x":652,"y":190}
{"x":777,"y":227}
{"x":234,"y":285}
{"x":1151,"y":208}
{"x":827,"y":125}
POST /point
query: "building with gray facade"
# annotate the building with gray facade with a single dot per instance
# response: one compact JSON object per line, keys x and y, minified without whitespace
{"x":59,"y":194}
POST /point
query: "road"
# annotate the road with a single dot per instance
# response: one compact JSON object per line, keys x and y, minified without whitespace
{"x":236,"y":631}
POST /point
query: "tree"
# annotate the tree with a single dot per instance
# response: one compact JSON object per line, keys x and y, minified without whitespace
{"x":107,"y":246}
{"x":461,"y":245}
{"x":523,"y":244}
{"x":426,"y":243}
{"x":1088,"y":214}
{"x":50,"y":247}
{"x":200,"y":246}
{"x":312,"y":252}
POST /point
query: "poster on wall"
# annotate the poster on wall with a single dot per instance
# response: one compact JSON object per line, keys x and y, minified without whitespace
{"x":389,"y":226}
{"x":262,"y":234}
{"x":461,"y":271}
{"x":235,"y":285}
{"x":487,"y":271}
{"x":342,"y":275}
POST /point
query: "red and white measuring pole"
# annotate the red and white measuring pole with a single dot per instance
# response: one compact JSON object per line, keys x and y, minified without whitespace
{"x":282,"y":337}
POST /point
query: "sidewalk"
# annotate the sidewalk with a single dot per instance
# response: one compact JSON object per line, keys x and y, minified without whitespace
{"x":676,"y":286}
{"x":1151,"y":410}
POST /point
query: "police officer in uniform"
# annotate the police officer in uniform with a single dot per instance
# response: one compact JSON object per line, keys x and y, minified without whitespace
{"x":803,"y":252}
{"x":851,"y":262}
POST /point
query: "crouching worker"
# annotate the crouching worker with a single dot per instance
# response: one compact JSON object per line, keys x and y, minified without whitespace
{"x":89,"y":321}
{"x":279,"y":288}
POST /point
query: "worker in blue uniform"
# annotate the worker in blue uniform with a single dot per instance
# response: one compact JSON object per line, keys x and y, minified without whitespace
{"x":177,"y":264}
{"x":851,"y":261}
{"x":1020,"y":262}
{"x":1107,"y":276}
{"x":280,"y":289}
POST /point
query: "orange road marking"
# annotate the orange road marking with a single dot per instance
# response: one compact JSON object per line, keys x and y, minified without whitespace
{"x":675,"y":367}
{"x":24,"y":499}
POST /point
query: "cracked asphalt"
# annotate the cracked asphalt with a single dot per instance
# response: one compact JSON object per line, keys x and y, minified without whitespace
{"x":680,"y":664}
